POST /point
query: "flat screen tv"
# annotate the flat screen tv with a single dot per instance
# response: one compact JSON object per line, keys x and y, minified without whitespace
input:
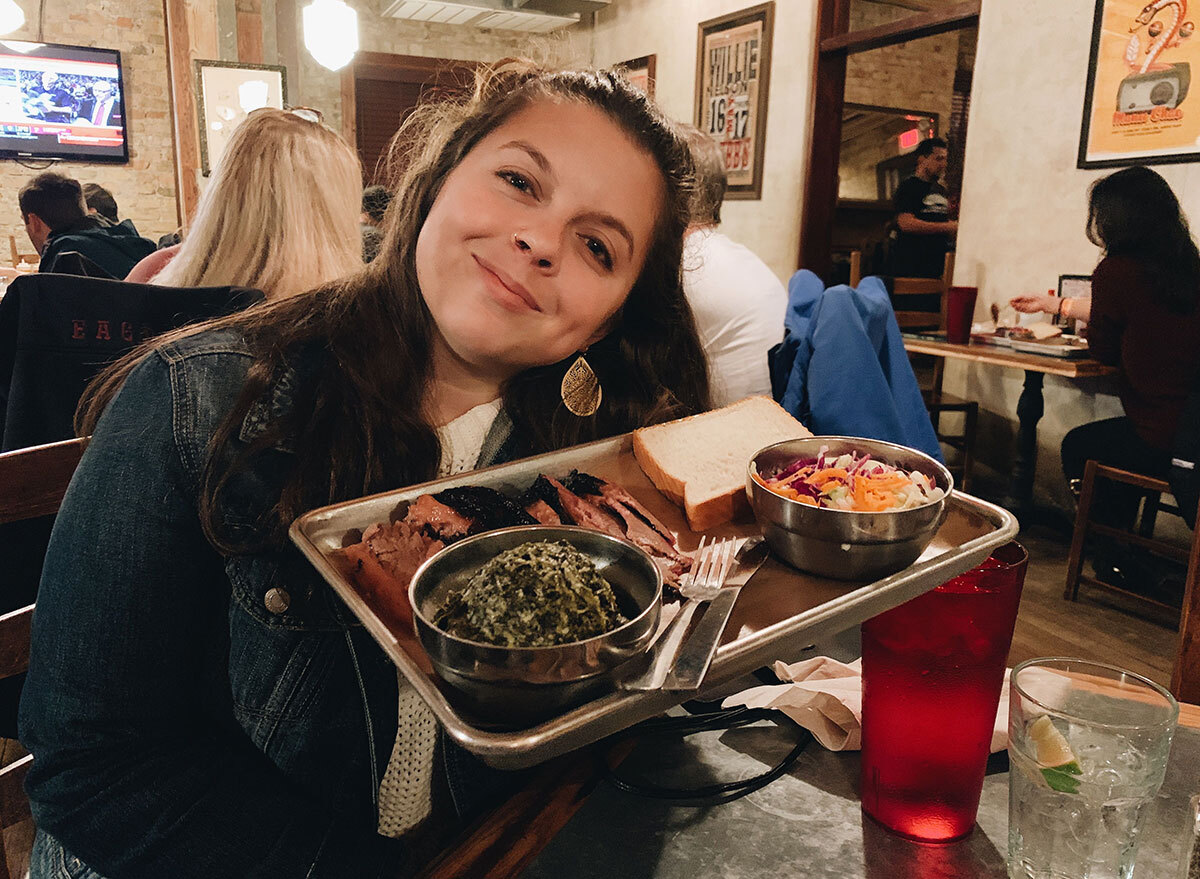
{"x":61,"y":102}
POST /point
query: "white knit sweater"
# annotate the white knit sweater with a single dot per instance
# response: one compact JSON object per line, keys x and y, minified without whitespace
{"x":405,"y":794}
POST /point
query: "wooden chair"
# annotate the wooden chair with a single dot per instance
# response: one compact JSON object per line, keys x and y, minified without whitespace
{"x":504,"y":841}
{"x":64,"y":329}
{"x":936,"y":400}
{"x":1185,"y":680}
{"x":18,"y":257}
{"x":32,"y":484}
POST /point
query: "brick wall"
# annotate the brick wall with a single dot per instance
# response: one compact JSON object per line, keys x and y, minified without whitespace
{"x":918,"y":75}
{"x":145,"y":188}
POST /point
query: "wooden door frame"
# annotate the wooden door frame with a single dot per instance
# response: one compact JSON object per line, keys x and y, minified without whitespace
{"x":400,"y":68}
{"x":835,"y":42}
{"x":190,"y":30}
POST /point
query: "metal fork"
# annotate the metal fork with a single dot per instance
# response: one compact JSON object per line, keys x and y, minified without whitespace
{"x":711,"y":570}
{"x":701,"y":584}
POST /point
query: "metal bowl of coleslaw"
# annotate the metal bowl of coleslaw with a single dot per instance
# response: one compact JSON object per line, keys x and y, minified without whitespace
{"x":846,"y":544}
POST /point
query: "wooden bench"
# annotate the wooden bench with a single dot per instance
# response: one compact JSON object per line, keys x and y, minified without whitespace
{"x":32,"y":484}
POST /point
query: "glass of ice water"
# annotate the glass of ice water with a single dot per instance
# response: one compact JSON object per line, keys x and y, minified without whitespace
{"x":1087,"y":746}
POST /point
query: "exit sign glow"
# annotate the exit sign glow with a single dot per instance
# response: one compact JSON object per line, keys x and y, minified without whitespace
{"x":908,"y":139}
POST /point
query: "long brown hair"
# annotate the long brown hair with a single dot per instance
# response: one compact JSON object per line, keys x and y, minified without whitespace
{"x":1134,"y":213}
{"x":358,"y":423}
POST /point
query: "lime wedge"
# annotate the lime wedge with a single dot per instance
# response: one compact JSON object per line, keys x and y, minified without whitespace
{"x":1055,"y":759}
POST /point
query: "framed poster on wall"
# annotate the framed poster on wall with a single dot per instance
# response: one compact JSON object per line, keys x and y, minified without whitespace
{"x":1136,"y":105}
{"x":227,"y":92}
{"x":733,"y":71}
{"x":640,"y":72}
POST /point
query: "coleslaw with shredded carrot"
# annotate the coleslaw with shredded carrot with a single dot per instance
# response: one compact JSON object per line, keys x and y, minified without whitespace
{"x":854,"y":482}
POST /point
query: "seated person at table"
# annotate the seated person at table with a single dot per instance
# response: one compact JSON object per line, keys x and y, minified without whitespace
{"x":737,"y":300}
{"x":1143,"y":319}
{"x":57,"y":221}
{"x":1068,"y":307}
{"x":100,"y":203}
{"x":280,"y":213}
{"x":199,"y":702}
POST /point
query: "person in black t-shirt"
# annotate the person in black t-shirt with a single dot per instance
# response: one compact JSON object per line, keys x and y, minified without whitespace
{"x":926,"y":231}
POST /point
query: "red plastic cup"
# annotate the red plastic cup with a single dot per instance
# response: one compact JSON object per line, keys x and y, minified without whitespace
{"x":932,"y":673}
{"x":960,"y":310}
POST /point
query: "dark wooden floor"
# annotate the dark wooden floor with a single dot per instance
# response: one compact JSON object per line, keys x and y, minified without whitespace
{"x":1100,"y":626}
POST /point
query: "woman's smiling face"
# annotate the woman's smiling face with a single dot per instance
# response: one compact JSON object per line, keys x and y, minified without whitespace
{"x":536,"y":238}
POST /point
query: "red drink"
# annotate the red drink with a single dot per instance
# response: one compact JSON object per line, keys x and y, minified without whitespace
{"x":960,"y":310}
{"x":932,"y":672}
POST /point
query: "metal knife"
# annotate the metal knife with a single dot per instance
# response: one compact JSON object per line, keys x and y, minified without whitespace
{"x":697,"y":652}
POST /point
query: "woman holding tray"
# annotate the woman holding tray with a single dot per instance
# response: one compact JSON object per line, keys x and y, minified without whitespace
{"x":199,"y":703}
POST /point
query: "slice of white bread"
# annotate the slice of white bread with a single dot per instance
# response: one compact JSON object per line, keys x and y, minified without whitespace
{"x":700,"y":462}
{"x":1044,"y":330}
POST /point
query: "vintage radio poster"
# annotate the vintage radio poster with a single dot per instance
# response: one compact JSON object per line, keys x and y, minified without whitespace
{"x":1137,"y":108}
{"x":733,"y":65}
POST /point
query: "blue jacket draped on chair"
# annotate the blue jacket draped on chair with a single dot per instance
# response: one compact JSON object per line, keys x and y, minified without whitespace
{"x":842,"y":368}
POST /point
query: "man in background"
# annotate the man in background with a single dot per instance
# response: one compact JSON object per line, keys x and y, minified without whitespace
{"x":375,"y":201}
{"x":737,"y":301}
{"x":926,"y":232}
{"x":103,"y":107}
{"x":57,"y":222}
{"x":103,"y":206}
{"x":100,"y":202}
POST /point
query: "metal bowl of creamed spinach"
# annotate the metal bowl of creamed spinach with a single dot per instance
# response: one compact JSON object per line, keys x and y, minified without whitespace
{"x":525,"y":622}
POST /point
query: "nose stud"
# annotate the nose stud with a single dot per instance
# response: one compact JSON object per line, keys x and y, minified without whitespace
{"x":524,"y":246}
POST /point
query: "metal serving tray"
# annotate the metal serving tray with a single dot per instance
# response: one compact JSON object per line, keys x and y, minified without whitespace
{"x":1050,"y":349}
{"x":780,"y":610}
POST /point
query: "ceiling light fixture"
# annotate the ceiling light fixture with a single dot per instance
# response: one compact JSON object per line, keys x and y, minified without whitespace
{"x":330,"y":32}
{"x":11,"y":16}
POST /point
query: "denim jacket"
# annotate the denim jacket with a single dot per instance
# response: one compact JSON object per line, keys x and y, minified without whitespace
{"x":192,"y":714}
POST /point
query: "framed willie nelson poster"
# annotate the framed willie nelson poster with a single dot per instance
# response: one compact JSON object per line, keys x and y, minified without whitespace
{"x":1137,"y":108}
{"x":733,"y":70}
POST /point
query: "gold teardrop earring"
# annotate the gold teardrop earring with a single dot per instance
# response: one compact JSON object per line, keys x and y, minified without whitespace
{"x":581,"y":389}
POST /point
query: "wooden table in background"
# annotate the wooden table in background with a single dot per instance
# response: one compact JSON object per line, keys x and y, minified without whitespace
{"x":1030,"y":405}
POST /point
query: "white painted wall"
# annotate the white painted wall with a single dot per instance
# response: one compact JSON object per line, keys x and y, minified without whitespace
{"x":667,"y":28}
{"x":1024,"y":202}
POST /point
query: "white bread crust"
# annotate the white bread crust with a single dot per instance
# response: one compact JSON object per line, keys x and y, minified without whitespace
{"x":699,"y":462}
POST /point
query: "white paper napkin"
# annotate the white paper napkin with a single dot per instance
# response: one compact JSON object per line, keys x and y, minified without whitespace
{"x":825,"y":697}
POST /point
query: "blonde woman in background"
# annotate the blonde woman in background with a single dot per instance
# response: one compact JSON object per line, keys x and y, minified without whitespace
{"x":279,"y":215}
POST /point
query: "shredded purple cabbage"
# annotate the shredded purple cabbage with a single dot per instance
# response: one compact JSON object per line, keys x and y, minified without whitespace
{"x":793,"y":468}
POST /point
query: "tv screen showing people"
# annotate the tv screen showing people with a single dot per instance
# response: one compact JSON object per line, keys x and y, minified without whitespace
{"x":61,"y":102}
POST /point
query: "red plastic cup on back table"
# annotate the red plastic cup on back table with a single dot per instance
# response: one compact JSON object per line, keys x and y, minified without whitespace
{"x":932,"y":673}
{"x":960,"y":311}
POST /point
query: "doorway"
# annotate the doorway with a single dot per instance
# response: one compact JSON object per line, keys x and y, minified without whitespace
{"x":380,"y":91}
{"x":889,"y":74}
